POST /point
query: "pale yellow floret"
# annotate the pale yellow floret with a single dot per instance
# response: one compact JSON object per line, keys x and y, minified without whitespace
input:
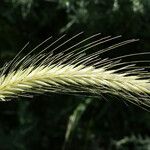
{"x":62,"y":76}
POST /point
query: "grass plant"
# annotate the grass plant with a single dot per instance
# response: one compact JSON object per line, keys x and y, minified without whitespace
{"x":73,"y":71}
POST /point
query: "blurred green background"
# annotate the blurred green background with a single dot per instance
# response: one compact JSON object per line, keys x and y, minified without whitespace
{"x":65,"y":122}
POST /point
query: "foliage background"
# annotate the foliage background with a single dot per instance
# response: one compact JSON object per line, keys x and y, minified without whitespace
{"x":41,"y":122}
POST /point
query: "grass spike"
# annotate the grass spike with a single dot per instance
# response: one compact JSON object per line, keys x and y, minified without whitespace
{"x":75,"y":72}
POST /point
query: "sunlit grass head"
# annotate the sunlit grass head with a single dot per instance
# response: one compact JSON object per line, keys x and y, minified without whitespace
{"x":72,"y":71}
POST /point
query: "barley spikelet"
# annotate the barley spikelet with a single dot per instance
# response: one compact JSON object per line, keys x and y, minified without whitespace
{"x":74,"y":71}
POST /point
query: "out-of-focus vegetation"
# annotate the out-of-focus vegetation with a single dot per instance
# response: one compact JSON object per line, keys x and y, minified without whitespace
{"x":72,"y":122}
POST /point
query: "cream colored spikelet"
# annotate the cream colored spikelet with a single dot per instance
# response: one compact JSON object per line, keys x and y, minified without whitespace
{"x":73,"y":71}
